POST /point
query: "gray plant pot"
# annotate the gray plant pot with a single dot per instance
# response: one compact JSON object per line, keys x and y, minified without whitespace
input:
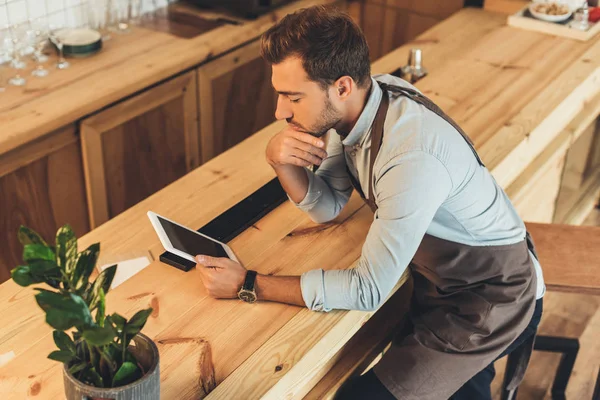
{"x":146,"y":388}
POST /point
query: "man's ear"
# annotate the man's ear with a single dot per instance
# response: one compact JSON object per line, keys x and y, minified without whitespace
{"x":344,"y":87}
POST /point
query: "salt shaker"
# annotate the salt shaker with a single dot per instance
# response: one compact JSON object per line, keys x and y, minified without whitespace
{"x":414,"y":70}
{"x":581,"y":17}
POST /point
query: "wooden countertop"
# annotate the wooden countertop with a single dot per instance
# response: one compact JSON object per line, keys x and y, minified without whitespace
{"x":126,"y":65}
{"x":513,"y":91}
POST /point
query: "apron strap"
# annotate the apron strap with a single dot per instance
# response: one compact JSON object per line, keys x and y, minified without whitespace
{"x":376,"y":140}
{"x":431,"y":106}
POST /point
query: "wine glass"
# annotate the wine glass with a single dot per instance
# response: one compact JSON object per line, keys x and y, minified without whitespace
{"x":19,"y":41}
{"x":135,"y":12}
{"x":4,"y":57}
{"x":40,"y":40}
{"x":119,"y":14}
{"x":55,"y":37}
{"x":99,"y":16}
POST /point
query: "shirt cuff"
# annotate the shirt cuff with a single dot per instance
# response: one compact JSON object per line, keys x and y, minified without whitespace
{"x":312,"y":195}
{"x":312,"y":285}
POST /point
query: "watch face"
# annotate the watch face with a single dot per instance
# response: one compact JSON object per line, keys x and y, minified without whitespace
{"x":247,"y":296}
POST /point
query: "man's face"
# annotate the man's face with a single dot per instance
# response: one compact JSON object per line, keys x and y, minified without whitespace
{"x":303,"y":103}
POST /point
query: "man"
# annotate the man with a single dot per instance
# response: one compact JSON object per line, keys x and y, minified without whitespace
{"x":438,"y":211}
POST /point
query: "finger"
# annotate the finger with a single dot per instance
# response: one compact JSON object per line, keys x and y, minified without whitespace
{"x":306,"y":156}
{"x":293,"y":142}
{"x":209,"y":261}
{"x":299,"y":162}
{"x":307,"y":138}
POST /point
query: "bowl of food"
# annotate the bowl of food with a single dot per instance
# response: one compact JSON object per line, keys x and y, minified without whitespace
{"x":550,"y":11}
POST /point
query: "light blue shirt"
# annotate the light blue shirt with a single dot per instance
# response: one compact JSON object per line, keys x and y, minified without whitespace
{"x":426,"y":180}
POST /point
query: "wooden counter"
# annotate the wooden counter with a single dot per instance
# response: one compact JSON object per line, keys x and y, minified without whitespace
{"x":515,"y":93}
{"x":127,"y":64}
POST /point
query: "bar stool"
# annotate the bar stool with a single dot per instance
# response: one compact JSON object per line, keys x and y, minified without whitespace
{"x":559,"y":246}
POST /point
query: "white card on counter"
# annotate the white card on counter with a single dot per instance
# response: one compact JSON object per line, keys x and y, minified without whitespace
{"x":126,"y":269}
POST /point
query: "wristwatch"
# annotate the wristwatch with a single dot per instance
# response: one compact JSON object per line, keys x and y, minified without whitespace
{"x":247,"y":292}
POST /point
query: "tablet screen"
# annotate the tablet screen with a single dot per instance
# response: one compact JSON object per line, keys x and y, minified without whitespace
{"x":190,"y":242}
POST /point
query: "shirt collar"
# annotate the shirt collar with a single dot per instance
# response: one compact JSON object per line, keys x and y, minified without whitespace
{"x":361,"y":129}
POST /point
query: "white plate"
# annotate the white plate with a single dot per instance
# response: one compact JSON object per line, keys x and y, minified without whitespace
{"x":546,"y":17}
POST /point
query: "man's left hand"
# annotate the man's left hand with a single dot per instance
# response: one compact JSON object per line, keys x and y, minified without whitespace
{"x":222,"y":277}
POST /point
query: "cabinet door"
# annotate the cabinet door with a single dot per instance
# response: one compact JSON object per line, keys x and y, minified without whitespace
{"x":139,"y":146}
{"x":236,"y":99}
{"x":389,"y":24}
{"x":42,"y":187}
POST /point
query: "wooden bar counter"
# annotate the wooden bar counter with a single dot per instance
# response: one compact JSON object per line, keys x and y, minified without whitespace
{"x":518,"y":94}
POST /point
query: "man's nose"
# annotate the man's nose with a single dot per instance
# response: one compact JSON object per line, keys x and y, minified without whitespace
{"x":283,"y":110}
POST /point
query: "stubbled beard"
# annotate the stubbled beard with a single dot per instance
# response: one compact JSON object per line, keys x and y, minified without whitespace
{"x":328,"y":119}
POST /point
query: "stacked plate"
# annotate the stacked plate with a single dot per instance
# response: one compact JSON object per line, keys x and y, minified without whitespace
{"x":79,"y":42}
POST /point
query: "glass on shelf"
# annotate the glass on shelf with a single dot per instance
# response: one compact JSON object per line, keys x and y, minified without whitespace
{"x":40,"y":40}
{"x":19,"y":38}
{"x":55,"y":37}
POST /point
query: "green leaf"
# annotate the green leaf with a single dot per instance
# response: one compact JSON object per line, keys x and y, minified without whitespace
{"x":22,"y":276}
{"x":64,"y":342}
{"x":42,"y":267}
{"x":119,"y":321}
{"x":62,"y":356}
{"x":85,"y":266}
{"x":66,"y":248}
{"x":103,"y":282}
{"x":33,"y":252}
{"x":128,"y":373}
{"x":64,"y":311}
{"x":92,"y":377}
{"x":28,"y":236}
{"x":101,"y":313}
{"x":99,"y":336}
{"x":137,"y":322}
{"x":75,"y":368}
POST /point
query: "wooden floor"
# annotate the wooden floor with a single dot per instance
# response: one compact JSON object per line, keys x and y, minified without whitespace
{"x":569,"y":315}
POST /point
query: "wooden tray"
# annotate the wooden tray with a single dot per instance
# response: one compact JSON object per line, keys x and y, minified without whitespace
{"x":523,"y":19}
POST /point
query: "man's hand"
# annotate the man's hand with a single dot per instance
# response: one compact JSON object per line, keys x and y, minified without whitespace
{"x":291,"y":147}
{"x":222,"y":277}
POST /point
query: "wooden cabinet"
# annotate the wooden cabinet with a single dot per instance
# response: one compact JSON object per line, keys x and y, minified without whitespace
{"x":41,"y":186}
{"x":388,"y":24}
{"x":236,"y":99}
{"x":139,"y":146}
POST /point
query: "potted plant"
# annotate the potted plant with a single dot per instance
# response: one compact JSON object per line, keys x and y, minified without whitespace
{"x":104,"y":356}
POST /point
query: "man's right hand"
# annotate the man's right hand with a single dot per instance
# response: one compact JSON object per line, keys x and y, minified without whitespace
{"x":291,"y":147}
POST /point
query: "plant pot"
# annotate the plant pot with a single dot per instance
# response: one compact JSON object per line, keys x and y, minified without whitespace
{"x":146,"y":388}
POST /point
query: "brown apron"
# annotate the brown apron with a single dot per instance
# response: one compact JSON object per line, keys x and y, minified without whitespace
{"x":469,"y":303}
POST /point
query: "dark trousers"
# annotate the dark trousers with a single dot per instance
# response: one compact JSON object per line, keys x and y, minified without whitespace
{"x":368,"y":386}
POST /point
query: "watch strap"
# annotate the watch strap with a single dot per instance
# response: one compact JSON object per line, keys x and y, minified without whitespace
{"x":249,"y":281}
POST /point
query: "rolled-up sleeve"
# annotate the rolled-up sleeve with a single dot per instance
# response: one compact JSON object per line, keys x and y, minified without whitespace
{"x":329,"y":188}
{"x":409,"y":190}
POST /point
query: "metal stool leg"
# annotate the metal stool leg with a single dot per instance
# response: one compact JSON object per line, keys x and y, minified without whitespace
{"x":569,"y":348}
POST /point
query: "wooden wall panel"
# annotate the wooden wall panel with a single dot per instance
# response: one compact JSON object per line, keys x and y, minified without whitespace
{"x":388,"y":24}
{"x":143,"y":155}
{"x":139,"y":146}
{"x":236,"y":99}
{"x":43,"y":194}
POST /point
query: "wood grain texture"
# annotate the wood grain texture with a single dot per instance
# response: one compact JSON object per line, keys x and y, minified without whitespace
{"x":570,"y":256}
{"x":126,"y":65}
{"x":185,"y":318}
{"x":139,"y":146}
{"x":48,"y":178}
{"x":504,"y":6}
{"x":236,"y":99}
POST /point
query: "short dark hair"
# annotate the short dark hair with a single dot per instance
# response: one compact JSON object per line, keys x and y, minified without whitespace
{"x":327,"y":41}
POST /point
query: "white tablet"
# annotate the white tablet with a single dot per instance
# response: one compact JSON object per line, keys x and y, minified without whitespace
{"x":187,"y":243}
